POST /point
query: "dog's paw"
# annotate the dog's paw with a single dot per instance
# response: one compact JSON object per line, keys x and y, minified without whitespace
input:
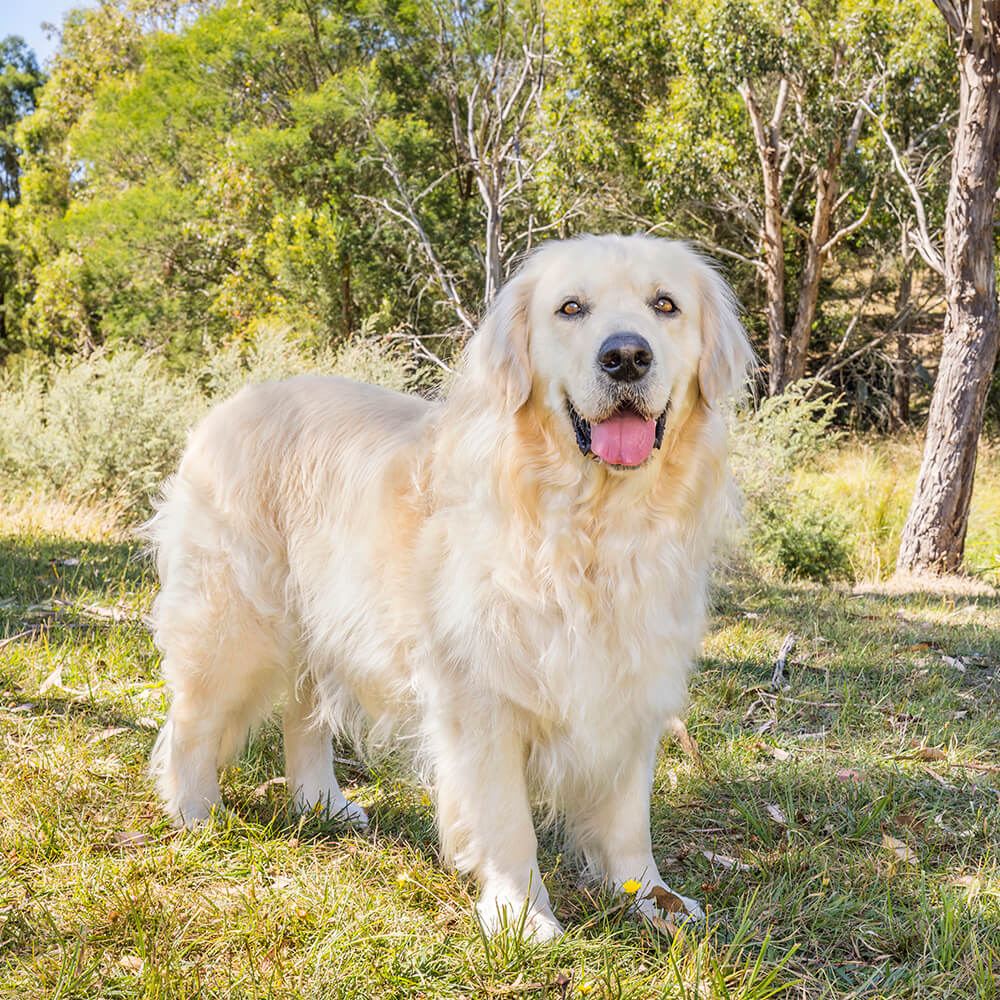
{"x":500,"y":916}
{"x":197,"y":814}
{"x":329,"y":806}
{"x":352,"y":813}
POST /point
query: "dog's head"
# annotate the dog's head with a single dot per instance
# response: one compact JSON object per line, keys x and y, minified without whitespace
{"x":610,"y":333}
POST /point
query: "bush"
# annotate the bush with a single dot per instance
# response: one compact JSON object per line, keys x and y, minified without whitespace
{"x":105,"y":429}
{"x":788,"y":532}
{"x":109,"y":429}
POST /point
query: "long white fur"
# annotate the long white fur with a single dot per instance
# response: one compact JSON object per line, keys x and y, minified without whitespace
{"x":459,"y":573}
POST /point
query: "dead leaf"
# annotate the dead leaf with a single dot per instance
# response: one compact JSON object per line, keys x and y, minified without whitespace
{"x":776,"y":814}
{"x":666,"y":901}
{"x":921,"y":752}
{"x":971,"y":883}
{"x":846,"y":774}
{"x":261,"y":790}
{"x":899,"y":850}
{"x":54,"y":680}
{"x":910,"y":821}
{"x":132,"y":962}
{"x":107,"y":734}
{"x":686,"y":741}
{"x":954,"y":661}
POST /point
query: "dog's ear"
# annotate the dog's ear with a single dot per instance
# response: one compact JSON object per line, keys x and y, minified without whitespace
{"x":497,"y":356}
{"x":726,"y":354}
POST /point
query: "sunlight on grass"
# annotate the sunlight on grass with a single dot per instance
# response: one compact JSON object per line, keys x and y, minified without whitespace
{"x":869,"y":483}
{"x":885,"y":733}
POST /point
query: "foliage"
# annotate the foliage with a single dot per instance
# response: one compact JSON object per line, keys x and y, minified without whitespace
{"x":110,"y":428}
{"x":786,"y":530}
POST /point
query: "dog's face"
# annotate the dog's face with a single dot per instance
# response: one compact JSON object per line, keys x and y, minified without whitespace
{"x":609,"y":333}
{"x":615,"y":335}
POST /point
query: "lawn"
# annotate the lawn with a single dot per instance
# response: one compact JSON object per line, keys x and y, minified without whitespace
{"x":842,"y":830}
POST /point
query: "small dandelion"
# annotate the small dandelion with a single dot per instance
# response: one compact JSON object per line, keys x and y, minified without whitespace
{"x":585,"y":987}
{"x":631,"y":887}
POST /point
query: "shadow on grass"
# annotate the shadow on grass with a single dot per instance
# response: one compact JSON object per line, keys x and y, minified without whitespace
{"x":33,"y":570}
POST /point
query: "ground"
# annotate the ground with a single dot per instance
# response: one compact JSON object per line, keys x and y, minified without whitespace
{"x":842,"y":830}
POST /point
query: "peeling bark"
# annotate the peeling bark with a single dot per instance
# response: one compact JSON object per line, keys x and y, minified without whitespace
{"x":934,"y":536}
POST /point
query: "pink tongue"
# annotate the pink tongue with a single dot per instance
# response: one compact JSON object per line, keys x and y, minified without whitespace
{"x":624,"y":439}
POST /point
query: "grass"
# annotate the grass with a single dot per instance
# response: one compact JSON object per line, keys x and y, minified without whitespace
{"x":889,"y":728}
{"x":869,"y":484}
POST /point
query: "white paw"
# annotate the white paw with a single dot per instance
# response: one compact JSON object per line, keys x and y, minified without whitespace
{"x":331,"y":806}
{"x":501,"y":916}
{"x":192,"y":815}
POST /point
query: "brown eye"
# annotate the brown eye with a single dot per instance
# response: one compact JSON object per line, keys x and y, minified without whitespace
{"x":571,"y":308}
{"x":665,"y":304}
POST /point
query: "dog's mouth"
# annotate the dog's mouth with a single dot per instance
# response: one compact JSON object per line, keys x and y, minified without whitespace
{"x":625,"y":438}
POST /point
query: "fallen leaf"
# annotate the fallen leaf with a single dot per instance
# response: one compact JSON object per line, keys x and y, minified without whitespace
{"x":847,"y":774}
{"x":776,"y":814}
{"x":954,"y":661}
{"x":131,"y":839}
{"x":970,"y":883}
{"x":900,"y":850}
{"x":261,"y":790}
{"x":666,"y":901}
{"x":107,"y":734}
{"x":131,"y":962}
{"x":54,"y":680}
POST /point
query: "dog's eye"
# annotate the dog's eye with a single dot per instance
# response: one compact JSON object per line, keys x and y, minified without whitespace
{"x":665,"y":304}
{"x":571,"y":308}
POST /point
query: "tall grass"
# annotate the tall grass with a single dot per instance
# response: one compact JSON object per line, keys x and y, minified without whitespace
{"x":868,"y":483}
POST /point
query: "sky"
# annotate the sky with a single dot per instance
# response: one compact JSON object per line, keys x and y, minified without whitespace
{"x":25,"y":17}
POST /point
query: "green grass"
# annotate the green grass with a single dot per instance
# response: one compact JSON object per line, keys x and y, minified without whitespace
{"x":877,"y":735}
{"x":869,"y":483}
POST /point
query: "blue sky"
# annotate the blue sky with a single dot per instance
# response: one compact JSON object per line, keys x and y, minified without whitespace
{"x":25,"y":17}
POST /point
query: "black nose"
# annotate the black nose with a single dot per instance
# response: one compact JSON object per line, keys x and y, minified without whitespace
{"x":626,"y":357}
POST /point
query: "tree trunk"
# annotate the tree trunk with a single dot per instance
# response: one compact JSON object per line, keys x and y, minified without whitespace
{"x":899,"y":412}
{"x":767,"y":138}
{"x":816,"y":250}
{"x":934,"y":536}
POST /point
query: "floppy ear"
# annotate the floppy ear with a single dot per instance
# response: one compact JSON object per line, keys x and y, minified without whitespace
{"x":496,"y":359}
{"x":726,"y":354}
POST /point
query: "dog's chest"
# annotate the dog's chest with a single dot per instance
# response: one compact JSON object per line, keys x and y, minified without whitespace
{"x":576,"y":629}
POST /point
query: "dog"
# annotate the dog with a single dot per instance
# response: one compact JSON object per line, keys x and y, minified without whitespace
{"x":514,"y":577}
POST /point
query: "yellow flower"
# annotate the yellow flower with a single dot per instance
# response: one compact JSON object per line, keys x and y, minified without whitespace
{"x":585,"y":987}
{"x":631,"y":887}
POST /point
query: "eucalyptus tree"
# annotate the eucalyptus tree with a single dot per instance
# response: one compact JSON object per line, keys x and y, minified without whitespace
{"x":933,"y":538}
{"x":748,"y":133}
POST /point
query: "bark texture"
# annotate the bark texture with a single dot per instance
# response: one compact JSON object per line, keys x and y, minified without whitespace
{"x":933,"y":539}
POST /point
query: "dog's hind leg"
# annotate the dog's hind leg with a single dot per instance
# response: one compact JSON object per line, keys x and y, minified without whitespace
{"x":312,"y":783}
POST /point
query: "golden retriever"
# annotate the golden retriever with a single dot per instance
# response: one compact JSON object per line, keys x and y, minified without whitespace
{"x":513,"y":578}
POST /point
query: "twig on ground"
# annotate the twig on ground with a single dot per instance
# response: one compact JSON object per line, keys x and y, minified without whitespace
{"x":778,"y":677}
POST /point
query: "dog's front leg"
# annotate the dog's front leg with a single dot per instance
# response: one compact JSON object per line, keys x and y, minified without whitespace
{"x":619,"y":844}
{"x":485,"y":820}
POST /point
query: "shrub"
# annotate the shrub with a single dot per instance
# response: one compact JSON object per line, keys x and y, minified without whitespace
{"x":108,"y":428}
{"x":786,"y":531}
{"x":111,"y":428}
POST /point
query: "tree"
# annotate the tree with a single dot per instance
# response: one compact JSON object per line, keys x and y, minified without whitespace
{"x":934,"y":535}
{"x":20,"y":79}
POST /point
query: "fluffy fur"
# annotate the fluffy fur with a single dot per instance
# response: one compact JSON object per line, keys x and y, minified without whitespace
{"x":462,"y":572}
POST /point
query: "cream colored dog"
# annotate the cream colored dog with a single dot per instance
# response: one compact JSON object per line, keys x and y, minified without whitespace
{"x":516,"y":575}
